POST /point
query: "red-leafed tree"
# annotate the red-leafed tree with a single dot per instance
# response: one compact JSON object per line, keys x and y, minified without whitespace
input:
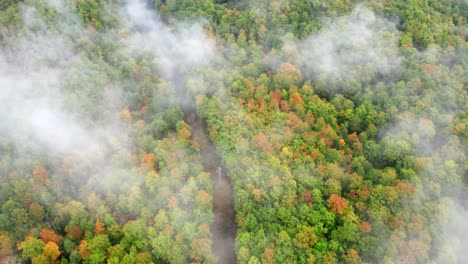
{"x":74,"y":232}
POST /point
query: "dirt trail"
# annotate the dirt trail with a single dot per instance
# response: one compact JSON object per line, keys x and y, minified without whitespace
{"x":224,"y":227}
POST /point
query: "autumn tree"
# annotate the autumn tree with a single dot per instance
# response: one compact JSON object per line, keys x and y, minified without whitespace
{"x":337,"y":204}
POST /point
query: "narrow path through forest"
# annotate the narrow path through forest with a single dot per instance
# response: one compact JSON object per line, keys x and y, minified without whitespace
{"x":224,"y":227}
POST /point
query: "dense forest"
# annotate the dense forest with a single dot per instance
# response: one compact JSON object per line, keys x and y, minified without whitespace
{"x":214,"y":131}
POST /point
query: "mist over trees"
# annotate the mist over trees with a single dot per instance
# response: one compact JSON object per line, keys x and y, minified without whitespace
{"x":341,"y":127}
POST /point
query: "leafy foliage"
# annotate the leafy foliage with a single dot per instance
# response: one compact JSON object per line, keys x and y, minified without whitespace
{"x":355,"y":169}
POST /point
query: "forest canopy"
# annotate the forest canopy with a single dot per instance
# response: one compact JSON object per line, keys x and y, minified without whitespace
{"x":214,"y":131}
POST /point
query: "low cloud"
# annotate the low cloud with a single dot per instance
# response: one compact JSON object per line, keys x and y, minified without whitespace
{"x":178,"y":49}
{"x":350,"y":45}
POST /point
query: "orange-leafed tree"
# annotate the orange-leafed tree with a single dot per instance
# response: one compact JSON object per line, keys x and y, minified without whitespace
{"x":261,"y":142}
{"x":204,"y":230}
{"x":99,"y":227}
{"x":40,"y":173}
{"x":52,"y":252}
{"x":352,"y":256}
{"x":268,"y":256}
{"x":337,"y":204}
{"x":276,"y":96}
{"x":172,"y":202}
{"x":291,"y":71}
{"x":5,"y":248}
{"x":147,"y":161}
{"x":83,"y":250}
{"x":126,"y":115}
{"x":48,"y":235}
{"x":257,"y":194}
{"x":365,"y":227}
{"x":404,"y":188}
{"x":184,"y":131}
{"x":297,"y":101}
{"x":429,"y":68}
{"x":296,"y":123}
